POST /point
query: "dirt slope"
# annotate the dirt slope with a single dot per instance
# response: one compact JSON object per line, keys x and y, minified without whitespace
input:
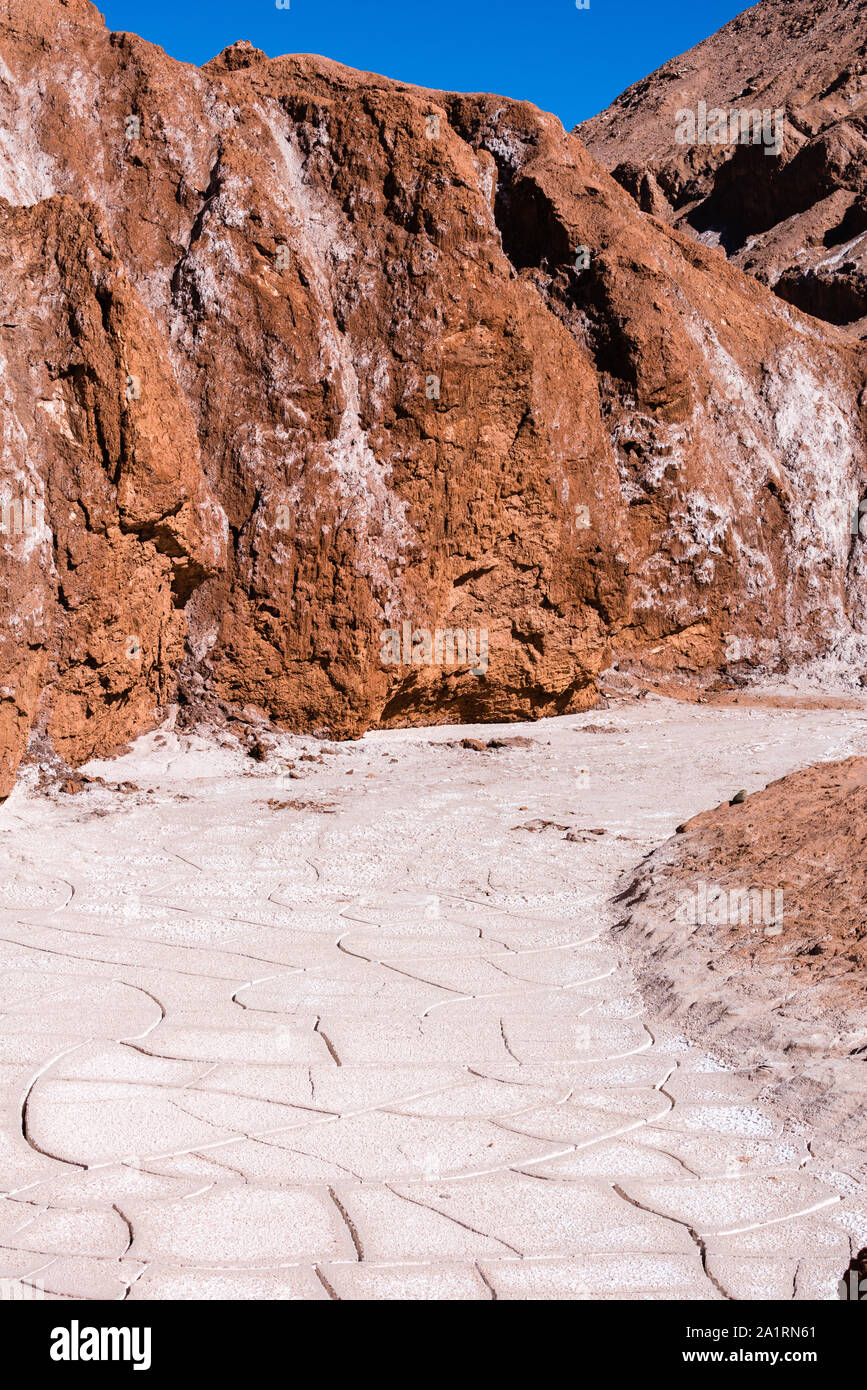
{"x":752,"y":926}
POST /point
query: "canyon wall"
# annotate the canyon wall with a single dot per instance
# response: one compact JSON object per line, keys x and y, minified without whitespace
{"x":295,"y":355}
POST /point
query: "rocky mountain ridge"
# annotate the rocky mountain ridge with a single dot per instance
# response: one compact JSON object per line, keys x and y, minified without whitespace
{"x":789,"y":206}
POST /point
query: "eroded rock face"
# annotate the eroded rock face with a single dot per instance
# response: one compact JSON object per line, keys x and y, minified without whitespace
{"x":796,"y":218}
{"x":418,"y":360}
{"x":108,"y":523}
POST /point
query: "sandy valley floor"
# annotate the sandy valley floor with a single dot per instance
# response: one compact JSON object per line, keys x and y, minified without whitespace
{"x":357,"y":1029}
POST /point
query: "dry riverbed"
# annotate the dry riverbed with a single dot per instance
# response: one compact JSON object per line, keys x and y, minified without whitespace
{"x":350,"y":1021}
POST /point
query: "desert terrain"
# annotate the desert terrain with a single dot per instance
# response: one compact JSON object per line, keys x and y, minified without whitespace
{"x":352,"y":1022}
{"x":433,"y":650}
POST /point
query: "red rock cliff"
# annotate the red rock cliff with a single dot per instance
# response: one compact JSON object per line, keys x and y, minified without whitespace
{"x":296,"y":354}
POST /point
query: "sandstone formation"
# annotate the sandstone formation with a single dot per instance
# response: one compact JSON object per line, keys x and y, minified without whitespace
{"x":798,"y":221}
{"x":301,"y":354}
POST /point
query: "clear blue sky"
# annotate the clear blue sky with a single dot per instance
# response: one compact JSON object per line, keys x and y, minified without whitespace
{"x":573,"y":62}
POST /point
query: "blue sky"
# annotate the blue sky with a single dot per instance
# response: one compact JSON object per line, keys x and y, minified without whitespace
{"x":570,"y":61}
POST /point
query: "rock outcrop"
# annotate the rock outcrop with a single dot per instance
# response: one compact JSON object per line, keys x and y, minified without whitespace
{"x":302,"y":355}
{"x":791,"y":210}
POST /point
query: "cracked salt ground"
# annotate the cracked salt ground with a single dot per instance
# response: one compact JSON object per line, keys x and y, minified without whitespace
{"x":378,"y":1042}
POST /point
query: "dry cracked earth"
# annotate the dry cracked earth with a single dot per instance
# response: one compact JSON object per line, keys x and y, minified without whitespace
{"x":350,"y":1023}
